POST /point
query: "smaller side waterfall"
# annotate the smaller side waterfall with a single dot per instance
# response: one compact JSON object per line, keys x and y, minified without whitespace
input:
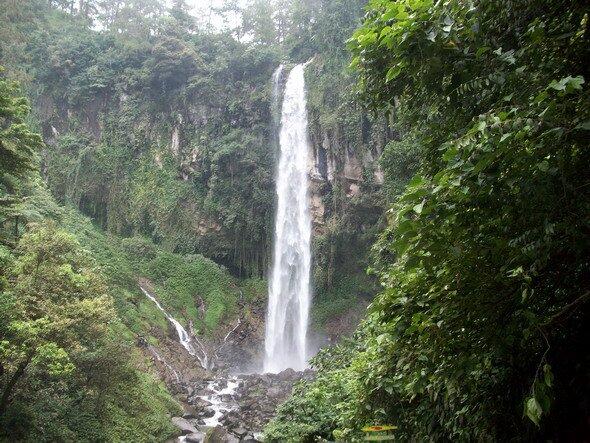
{"x":185,"y":339}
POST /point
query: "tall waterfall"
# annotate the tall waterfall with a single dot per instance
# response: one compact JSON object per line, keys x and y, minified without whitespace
{"x":289,"y":286}
{"x":277,"y":78}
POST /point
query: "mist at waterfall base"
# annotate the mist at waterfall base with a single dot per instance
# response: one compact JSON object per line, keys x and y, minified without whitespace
{"x":289,"y":286}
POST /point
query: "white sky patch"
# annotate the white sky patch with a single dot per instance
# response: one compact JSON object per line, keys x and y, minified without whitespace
{"x":203,"y":9}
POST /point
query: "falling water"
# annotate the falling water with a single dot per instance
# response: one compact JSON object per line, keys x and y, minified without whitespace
{"x":183,"y":335}
{"x":289,"y":288}
{"x":277,"y":79}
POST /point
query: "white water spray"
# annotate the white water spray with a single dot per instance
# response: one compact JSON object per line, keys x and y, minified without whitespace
{"x":219,"y":392}
{"x":289,"y":287}
{"x":183,"y":336}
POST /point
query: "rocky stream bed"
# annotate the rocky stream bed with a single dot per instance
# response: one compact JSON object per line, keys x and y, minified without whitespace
{"x":220,"y":404}
{"x":232,"y":408}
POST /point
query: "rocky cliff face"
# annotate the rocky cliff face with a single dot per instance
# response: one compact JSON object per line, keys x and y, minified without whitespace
{"x":345,"y":146}
{"x":224,"y":156}
{"x":335,"y":162}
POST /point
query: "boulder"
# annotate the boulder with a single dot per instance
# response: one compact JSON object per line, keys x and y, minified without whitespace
{"x":197,"y":437}
{"x":202,"y":392}
{"x":246,"y":406}
{"x":287,"y":374}
{"x":275,"y":392}
{"x":189,"y":412}
{"x":184,"y":425}
{"x":250,"y":383}
{"x":220,"y":435}
{"x":207,"y":412}
{"x":269,"y":408}
{"x":201,"y":403}
{"x":239,"y":431}
{"x":249,"y":438}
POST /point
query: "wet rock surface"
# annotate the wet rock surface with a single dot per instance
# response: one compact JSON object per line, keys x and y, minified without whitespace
{"x":218,"y":407}
{"x":234,"y":409}
{"x":184,"y":425}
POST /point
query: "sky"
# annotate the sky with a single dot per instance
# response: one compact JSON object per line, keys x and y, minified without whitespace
{"x":215,"y":3}
{"x":201,"y":5}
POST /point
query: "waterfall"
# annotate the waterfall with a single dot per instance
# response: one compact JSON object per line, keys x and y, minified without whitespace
{"x":289,"y":286}
{"x":277,"y":79}
{"x":185,"y":339}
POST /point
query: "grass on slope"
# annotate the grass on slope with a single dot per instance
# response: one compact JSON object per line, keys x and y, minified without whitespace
{"x":189,"y":287}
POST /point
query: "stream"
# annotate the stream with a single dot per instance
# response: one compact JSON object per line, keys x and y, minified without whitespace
{"x":237,"y":407}
{"x":221,"y":398}
{"x":219,"y":392}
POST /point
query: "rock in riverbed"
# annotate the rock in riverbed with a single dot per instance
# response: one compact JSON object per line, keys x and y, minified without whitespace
{"x":243,"y":409}
{"x":197,"y":437}
{"x":184,"y":425}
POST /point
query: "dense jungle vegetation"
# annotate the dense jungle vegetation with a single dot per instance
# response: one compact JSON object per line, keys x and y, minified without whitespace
{"x":66,"y":373}
{"x":480,"y":331}
{"x":136,"y":141}
{"x":158,"y":127}
{"x":144,"y":150}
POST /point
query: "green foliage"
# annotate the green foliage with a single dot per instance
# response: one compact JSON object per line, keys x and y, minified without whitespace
{"x":187,"y":175}
{"x":254,"y":290}
{"x":478,"y":333}
{"x":400,"y":161}
{"x":18,"y":153}
{"x":5,"y":263}
{"x":341,"y":254}
{"x":139,"y":249}
{"x":97,"y":85}
{"x":193,"y":283}
{"x":344,"y":294}
{"x":313,"y":411}
{"x":302,"y":28}
{"x":65,"y":372}
{"x":18,"y":143}
{"x":190,"y":287}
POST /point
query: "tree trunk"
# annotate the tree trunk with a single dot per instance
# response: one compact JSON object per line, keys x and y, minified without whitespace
{"x":5,"y":400}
